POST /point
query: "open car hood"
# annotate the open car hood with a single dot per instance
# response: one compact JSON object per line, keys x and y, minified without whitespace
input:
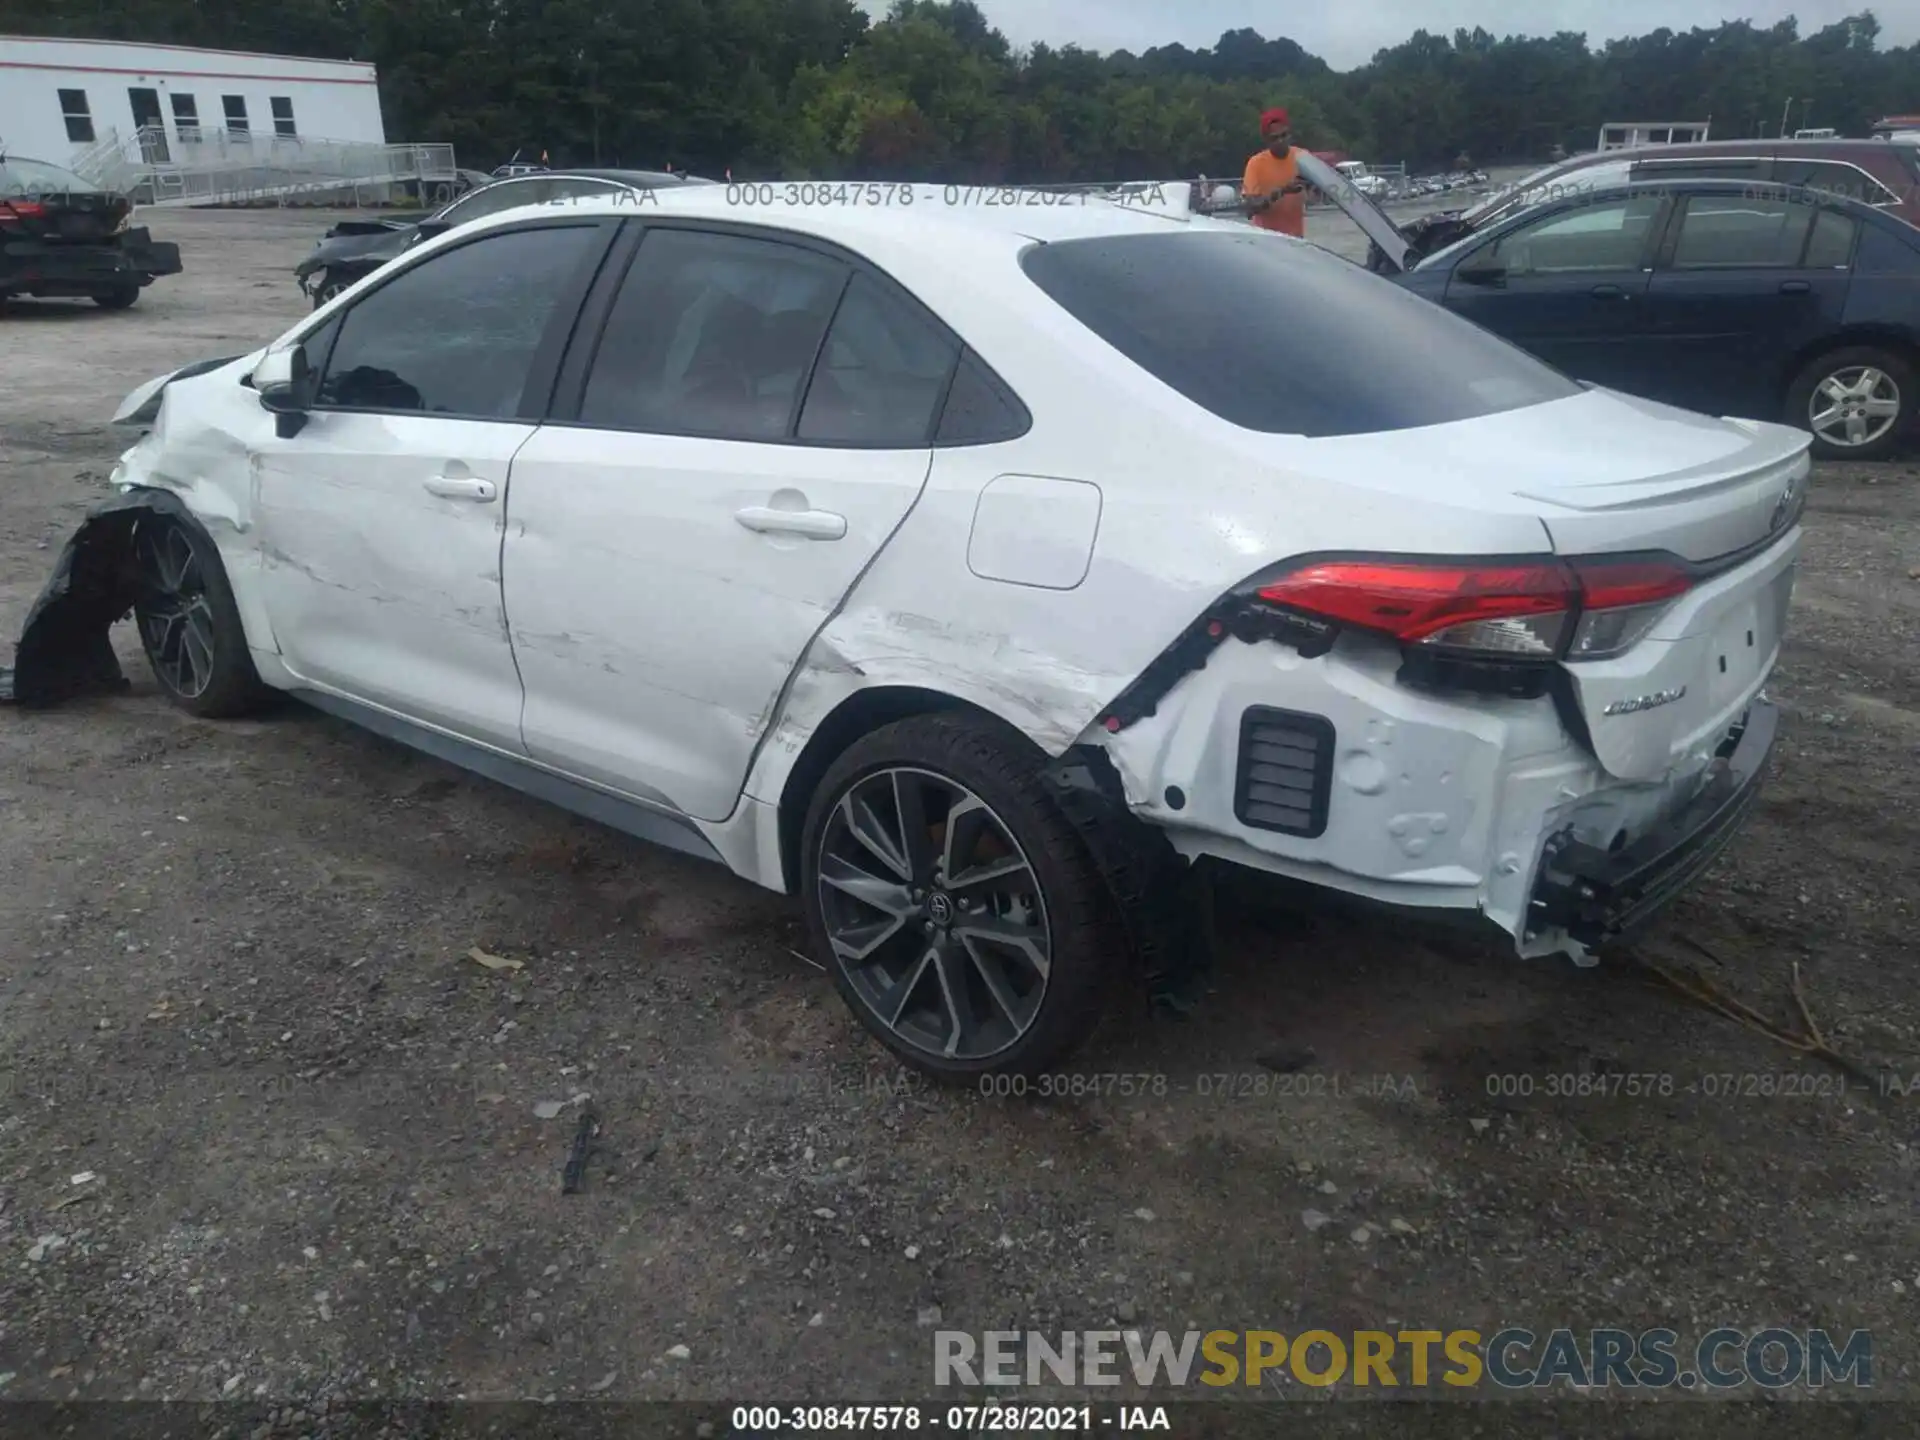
{"x":1371,"y":219}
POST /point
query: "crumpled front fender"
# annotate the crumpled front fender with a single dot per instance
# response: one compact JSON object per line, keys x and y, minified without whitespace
{"x":65,"y":650}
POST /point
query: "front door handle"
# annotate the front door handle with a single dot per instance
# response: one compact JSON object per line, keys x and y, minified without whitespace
{"x":1607,"y":292}
{"x":814,"y":524}
{"x":1794,"y":287}
{"x":463,"y":487}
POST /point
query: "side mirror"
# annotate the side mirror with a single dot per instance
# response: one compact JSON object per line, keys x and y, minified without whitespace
{"x":284,"y":381}
{"x":1482,"y":272}
{"x":430,"y":229}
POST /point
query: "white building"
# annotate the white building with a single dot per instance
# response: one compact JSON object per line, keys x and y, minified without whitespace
{"x":62,"y":98}
{"x":1617,"y":136}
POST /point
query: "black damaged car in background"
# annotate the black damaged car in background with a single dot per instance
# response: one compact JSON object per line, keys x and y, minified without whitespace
{"x":354,"y":249}
{"x":62,"y":236}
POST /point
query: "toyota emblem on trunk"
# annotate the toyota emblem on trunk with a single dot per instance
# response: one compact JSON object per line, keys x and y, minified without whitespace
{"x":1783,"y":507}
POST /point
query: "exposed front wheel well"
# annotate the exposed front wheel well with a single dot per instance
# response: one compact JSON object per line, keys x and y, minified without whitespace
{"x":860,"y":714}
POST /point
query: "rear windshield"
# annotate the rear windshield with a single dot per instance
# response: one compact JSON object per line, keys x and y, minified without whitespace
{"x":1286,"y":338}
{"x":20,"y":176}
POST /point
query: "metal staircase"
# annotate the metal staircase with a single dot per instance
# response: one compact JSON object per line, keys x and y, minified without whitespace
{"x":211,"y":167}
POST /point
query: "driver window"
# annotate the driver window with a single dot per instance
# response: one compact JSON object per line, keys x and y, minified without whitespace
{"x":456,"y":334}
{"x":1606,"y":235}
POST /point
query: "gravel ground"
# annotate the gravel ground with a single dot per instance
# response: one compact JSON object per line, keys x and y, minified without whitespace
{"x":325,"y":1146}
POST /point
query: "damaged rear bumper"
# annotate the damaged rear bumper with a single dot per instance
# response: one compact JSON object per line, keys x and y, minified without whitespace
{"x":1601,"y":897}
{"x":41,"y":268}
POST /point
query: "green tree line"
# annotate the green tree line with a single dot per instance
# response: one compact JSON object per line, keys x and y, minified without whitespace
{"x":813,"y":89}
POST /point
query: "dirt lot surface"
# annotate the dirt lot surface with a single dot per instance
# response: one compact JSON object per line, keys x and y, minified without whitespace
{"x":235,"y":991}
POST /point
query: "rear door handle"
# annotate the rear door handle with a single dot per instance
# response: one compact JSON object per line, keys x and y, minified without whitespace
{"x":1794,"y":287}
{"x":814,"y":524}
{"x":1607,"y":292}
{"x":463,"y":487}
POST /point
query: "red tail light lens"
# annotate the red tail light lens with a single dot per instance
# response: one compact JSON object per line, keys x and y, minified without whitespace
{"x":1510,"y":610}
{"x":1621,"y":601}
{"x":1514,"y":611}
{"x":21,"y":210}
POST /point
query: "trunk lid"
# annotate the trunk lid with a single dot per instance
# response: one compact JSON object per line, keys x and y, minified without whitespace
{"x":1359,"y":208}
{"x":1607,"y":473}
{"x":1603,"y":472}
{"x":1665,"y":705}
{"x":1614,"y":474}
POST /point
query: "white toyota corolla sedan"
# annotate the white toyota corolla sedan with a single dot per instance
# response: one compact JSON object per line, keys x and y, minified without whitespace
{"x":967,"y":566}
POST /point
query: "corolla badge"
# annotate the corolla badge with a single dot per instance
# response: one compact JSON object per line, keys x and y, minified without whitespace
{"x":1645,"y":702}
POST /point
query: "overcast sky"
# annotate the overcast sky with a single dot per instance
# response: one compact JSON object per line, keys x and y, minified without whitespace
{"x":1346,"y":35}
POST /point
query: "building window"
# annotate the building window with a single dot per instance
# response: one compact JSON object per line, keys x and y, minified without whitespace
{"x":235,"y":107}
{"x":73,"y":108}
{"x":186,"y":116}
{"x":283,"y":115}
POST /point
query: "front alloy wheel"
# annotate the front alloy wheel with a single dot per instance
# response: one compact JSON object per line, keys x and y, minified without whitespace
{"x":189,"y":624}
{"x":956,"y":906}
{"x":175,"y":613}
{"x":935,"y":914}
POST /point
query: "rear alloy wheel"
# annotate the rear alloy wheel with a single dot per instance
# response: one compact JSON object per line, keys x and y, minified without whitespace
{"x":328,"y":288}
{"x":121,"y":297}
{"x":188,"y":622}
{"x":955,"y":906}
{"x":1858,"y":402}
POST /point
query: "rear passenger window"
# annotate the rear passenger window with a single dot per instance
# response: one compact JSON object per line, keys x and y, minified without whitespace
{"x":881,"y":373}
{"x":1733,"y":231}
{"x":1880,"y":253}
{"x":712,"y":335}
{"x":1830,"y":177}
{"x":980,"y":410}
{"x":1830,"y":247}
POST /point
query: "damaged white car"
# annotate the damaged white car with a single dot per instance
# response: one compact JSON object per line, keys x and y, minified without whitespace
{"x":971,"y":570}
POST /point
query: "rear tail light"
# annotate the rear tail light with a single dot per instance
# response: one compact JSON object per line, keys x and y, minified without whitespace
{"x":21,"y":210}
{"x":1512,"y":610}
{"x":1500,"y":611}
{"x":1620,"y":601}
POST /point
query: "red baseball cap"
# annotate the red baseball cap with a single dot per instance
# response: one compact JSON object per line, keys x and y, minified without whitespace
{"x":1275,"y":118}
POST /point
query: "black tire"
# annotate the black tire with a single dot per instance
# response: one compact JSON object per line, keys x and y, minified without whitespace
{"x":189,"y":624}
{"x":1070,"y":906}
{"x":328,"y":287}
{"x":121,"y":297}
{"x":1848,"y":367}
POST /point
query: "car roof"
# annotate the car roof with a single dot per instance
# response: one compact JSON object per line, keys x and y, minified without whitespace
{"x":932,"y":210}
{"x":1719,"y":185}
{"x":1838,"y":148}
{"x":627,"y":177}
{"x":640,"y":179}
{"x":949,"y":245}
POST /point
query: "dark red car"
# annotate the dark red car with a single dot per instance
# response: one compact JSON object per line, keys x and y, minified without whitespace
{"x":61,"y":235}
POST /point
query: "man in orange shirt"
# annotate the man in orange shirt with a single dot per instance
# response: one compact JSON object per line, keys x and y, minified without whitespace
{"x":1272,"y":194}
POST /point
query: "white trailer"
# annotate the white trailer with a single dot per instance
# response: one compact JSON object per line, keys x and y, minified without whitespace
{"x":59,"y":99}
